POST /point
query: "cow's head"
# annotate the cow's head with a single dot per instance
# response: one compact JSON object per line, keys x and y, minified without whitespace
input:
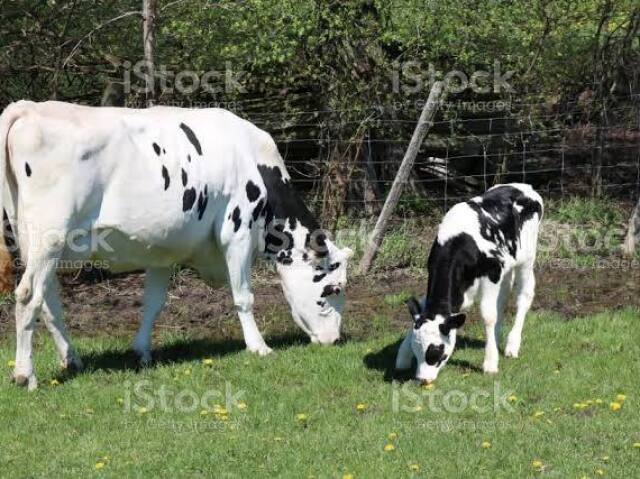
{"x":433,"y":339}
{"x":314,"y":287}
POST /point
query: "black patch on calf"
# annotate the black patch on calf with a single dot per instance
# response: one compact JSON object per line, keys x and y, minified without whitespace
{"x":189,"y":158}
{"x":257,"y":210}
{"x":165,"y":175}
{"x":318,"y":277}
{"x":156,"y":148}
{"x":92,"y":152}
{"x":184,"y":178}
{"x":321,"y":303}
{"x":191,"y":136}
{"x":235,"y":216}
{"x":434,"y":354}
{"x":188,"y":198}
{"x":253,"y":192}
{"x":27,"y":169}
{"x":202,"y":204}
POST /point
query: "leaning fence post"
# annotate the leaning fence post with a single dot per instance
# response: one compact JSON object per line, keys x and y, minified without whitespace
{"x":633,"y":234}
{"x":424,"y":124}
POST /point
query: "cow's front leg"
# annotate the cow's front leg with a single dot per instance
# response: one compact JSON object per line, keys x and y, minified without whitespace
{"x":239,"y":259}
{"x":156,"y":283}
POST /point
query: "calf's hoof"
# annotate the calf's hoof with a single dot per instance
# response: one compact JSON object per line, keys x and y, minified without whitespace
{"x":261,"y":350}
{"x":21,"y":380}
{"x":71,"y":365}
{"x":490,"y":369}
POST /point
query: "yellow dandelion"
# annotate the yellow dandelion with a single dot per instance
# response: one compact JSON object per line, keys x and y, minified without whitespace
{"x":99,"y":465}
{"x":187,"y":372}
{"x":389,"y":448}
{"x":204,"y":412}
{"x":621,"y":397}
{"x":417,"y":408}
{"x":222,"y":412}
{"x":605,"y":458}
{"x":361,"y":407}
{"x":54,"y":382}
{"x":11,"y":363}
{"x":241,"y":405}
{"x":537,"y":464}
{"x":599,"y":472}
{"x":347,"y":476}
{"x":207,"y":362}
{"x":414,"y":467}
{"x":392,"y":436}
{"x":301,"y":417}
{"x":598,"y":401}
{"x":615,"y":406}
{"x":120,"y":401}
{"x":512,"y":398}
{"x":428,"y":387}
{"x":143,"y":410}
{"x":538,"y":414}
{"x":485,"y":445}
{"x":636,"y":445}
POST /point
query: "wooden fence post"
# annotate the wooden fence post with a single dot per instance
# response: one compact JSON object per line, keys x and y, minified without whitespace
{"x":149,"y":15}
{"x":424,"y":124}
{"x":633,"y":235}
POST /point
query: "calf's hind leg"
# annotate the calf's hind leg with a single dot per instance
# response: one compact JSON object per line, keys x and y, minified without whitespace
{"x":525,"y":288}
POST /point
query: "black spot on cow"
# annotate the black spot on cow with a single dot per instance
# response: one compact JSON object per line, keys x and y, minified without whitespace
{"x":165,"y":175}
{"x":164,"y":152}
{"x":27,"y":169}
{"x":318,"y":277}
{"x":203,"y":199}
{"x":184,"y":177}
{"x":156,"y":148}
{"x":191,"y":136}
{"x":434,"y":354}
{"x":91,"y":152}
{"x":257,"y":210}
{"x":334,"y":266}
{"x":250,"y":223}
{"x":235,"y":216}
{"x":189,"y":158}
{"x":253,"y":192}
{"x":321,"y":303}
{"x":305,"y":257}
{"x":188,"y":199}
{"x":284,"y":257}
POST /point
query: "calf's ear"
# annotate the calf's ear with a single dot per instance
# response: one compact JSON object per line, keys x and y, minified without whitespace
{"x":414,"y":307}
{"x":454,"y":321}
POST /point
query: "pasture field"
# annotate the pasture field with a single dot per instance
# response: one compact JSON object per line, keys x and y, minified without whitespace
{"x":310,"y":411}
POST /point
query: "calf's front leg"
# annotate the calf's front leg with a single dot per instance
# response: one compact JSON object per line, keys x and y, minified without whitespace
{"x":156,"y":283}
{"x":489,"y":312}
{"x":405,"y":353}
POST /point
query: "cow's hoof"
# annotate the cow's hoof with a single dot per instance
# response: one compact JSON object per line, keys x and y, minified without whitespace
{"x":490,"y":369}
{"x":510,"y":353}
{"x":30,"y":382}
{"x":262,"y":350}
{"x":72,"y":365}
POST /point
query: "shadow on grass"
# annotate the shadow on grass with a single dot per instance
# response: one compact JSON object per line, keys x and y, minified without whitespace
{"x":175,"y":352}
{"x":385,"y":359}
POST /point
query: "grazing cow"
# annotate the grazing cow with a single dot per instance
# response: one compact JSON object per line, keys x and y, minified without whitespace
{"x":148,"y":189}
{"x":483,"y":248}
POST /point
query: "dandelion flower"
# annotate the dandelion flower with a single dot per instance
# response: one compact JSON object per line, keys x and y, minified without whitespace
{"x":605,"y":458}
{"x":393,"y":436}
{"x":54,"y":382}
{"x":11,"y":363}
{"x":621,"y":397}
{"x":99,"y":465}
{"x":414,"y":467}
{"x":538,"y":414}
{"x":241,"y":405}
{"x":207,"y":362}
{"x":347,"y":476}
{"x":428,"y":387}
{"x":143,"y":410}
{"x":417,"y":408}
{"x":636,"y":445}
{"x":389,"y":448}
{"x":187,"y":372}
{"x":598,"y":401}
{"x":204,"y":412}
{"x":537,"y":464}
{"x":615,"y":406}
{"x":486,"y":445}
{"x":361,"y":407}
{"x":599,"y":472}
{"x":512,"y":398}
{"x":120,"y":401}
{"x":301,"y":417}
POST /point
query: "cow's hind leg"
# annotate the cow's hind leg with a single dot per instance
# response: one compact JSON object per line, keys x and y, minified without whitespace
{"x":525,"y":284}
{"x":30,"y":297}
{"x":156,"y":283}
{"x":52,"y":315}
{"x":239,"y":256}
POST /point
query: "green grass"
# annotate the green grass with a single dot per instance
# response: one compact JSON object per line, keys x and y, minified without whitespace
{"x":64,"y":430}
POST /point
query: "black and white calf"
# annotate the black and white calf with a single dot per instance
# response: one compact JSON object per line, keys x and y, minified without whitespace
{"x":148,"y":189}
{"x":484,"y":248}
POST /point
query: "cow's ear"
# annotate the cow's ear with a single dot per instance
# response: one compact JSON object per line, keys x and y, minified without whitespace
{"x":414,"y":307}
{"x":454,"y":321}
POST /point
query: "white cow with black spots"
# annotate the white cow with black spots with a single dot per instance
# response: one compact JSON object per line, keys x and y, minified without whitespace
{"x":148,"y":189}
{"x":484,"y":248}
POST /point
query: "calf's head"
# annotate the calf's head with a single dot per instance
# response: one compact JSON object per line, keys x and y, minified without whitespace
{"x":433,"y":338}
{"x":314,"y":287}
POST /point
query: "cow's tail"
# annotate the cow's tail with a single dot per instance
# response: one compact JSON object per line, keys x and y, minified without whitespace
{"x":7,"y":119}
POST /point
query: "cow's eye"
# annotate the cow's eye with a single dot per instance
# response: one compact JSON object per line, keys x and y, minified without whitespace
{"x":334,"y":266}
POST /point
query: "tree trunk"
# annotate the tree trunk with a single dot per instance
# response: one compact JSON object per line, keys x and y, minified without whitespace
{"x":633,"y":235}
{"x":149,"y":16}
